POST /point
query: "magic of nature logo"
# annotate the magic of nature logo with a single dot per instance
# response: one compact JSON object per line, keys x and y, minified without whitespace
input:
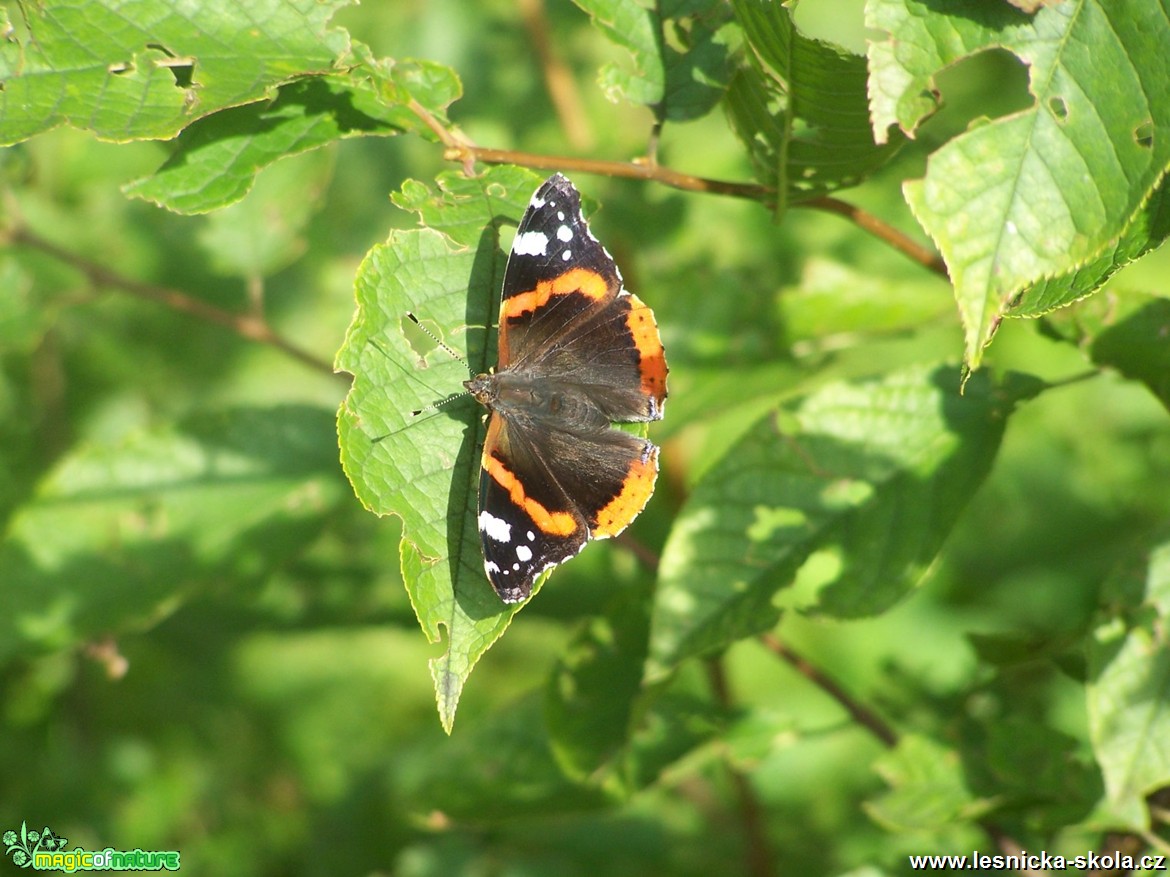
{"x":45,"y":851}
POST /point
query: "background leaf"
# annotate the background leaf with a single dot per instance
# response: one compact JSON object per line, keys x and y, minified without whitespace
{"x":680,"y":53}
{"x":800,"y":107}
{"x":217,"y":158}
{"x":154,"y":67}
{"x":871,"y":476}
{"x":1129,"y":672}
{"x":1041,"y":192}
{"x":142,"y":523}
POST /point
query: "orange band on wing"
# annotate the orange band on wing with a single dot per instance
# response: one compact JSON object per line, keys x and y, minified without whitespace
{"x":582,"y":280}
{"x":550,"y":523}
{"x":624,"y":507}
{"x":652,"y":364}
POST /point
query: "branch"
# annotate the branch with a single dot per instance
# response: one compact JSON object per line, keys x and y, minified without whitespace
{"x":459,"y":149}
{"x":250,"y":326}
{"x":860,"y":713}
{"x":903,"y":243}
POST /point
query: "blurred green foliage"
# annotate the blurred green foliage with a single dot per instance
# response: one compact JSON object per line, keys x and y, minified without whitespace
{"x":205,"y":639}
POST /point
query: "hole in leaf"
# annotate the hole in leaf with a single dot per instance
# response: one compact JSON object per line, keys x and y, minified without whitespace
{"x":119,"y":67}
{"x":183,"y":69}
{"x":1059,"y":108}
{"x":421,"y":336}
{"x":988,"y":85}
{"x":1143,"y":134}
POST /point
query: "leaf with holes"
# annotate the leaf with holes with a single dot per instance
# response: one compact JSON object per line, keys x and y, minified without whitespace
{"x":1040,"y":193}
{"x":680,"y":54}
{"x":217,"y":158}
{"x":425,"y":469}
{"x":145,"y":69}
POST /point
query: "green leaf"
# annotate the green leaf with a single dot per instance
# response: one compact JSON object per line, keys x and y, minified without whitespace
{"x":632,"y":26}
{"x":1147,"y":232}
{"x":593,"y":689}
{"x":800,"y":108}
{"x":1129,"y":687}
{"x":1139,"y":347}
{"x":119,"y":534}
{"x":145,"y":69}
{"x":927,"y":788}
{"x":217,"y":158}
{"x":425,"y":469}
{"x":680,"y":52}
{"x":265,"y":232}
{"x":869,"y":476}
{"x":1021,"y":765}
{"x":1040,"y":193}
{"x":498,"y":769}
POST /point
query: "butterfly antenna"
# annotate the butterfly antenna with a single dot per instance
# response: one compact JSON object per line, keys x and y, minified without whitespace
{"x":452,"y":352}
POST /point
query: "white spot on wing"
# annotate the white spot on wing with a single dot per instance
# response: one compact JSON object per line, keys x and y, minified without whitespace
{"x":530,"y":243}
{"x":495,"y":528}
{"x":524,"y":553}
{"x":561,"y":215}
{"x":531,"y":536}
{"x":567,"y":255}
{"x":564,"y":234}
{"x":536,"y":203}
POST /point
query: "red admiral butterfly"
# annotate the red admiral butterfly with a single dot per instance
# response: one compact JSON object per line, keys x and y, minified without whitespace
{"x":577,"y":351}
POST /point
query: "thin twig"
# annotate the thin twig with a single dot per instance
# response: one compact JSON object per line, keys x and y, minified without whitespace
{"x":879,"y":229}
{"x":250,"y":326}
{"x":626,"y":169}
{"x":461,"y":150}
{"x":760,"y":860}
{"x":861,"y":714}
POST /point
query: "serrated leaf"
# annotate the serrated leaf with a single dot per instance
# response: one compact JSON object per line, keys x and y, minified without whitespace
{"x":145,"y":69}
{"x":680,"y":54}
{"x":1129,"y":687}
{"x":871,"y":475}
{"x":425,"y":469}
{"x":1042,"y":192}
{"x":800,"y":108}
{"x":631,"y":25}
{"x":118,"y":534}
{"x":1139,"y":347}
{"x":265,"y":232}
{"x":217,"y":158}
{"x":928,"y":791}
{"x":1147,"y":232}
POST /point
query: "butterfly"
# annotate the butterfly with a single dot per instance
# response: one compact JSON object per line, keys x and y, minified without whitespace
{"x":577,"y":351}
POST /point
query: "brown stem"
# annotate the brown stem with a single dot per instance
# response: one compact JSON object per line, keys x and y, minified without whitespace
{"x":879,"y":229}
{"x":250,"y":326}
{"x":860,"y":713}
{"x":760,"y":860}
{"x":458,"y":149}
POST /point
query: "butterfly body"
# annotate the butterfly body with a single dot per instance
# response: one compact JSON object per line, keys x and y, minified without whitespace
{"x":577,"y":352}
